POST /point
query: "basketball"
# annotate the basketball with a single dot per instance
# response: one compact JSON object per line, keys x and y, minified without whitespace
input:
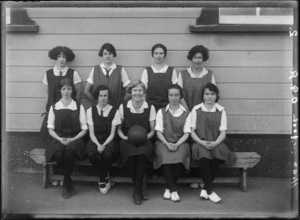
{"x":137,"y":135}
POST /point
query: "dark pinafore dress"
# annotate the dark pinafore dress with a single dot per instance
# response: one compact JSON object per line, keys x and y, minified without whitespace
{"x":113,"y":82}
{"x":53,"y":97}
{"x":102,"y":128}
{"x":207,"y":128}
{"x":67,"y":125}
{"x":173,"y":131}
{"x":158,"y":84}
{"x":126,"y":149}
{"x":192,"y":87}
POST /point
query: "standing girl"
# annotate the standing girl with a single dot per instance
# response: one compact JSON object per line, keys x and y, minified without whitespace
{"x":195,"y":77}
{"x":53,"y":76}
{"x":172,"y":152}
{"x":109,"y":74}
{"x":209,"y":125}
{"x":158,"y":77}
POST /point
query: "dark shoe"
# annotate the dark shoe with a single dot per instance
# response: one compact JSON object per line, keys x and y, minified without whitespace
{"x":144,"y":196}
{"x":137,"y":198}
{"x":66,"y":193}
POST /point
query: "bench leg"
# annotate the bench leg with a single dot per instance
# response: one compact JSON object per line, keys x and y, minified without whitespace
{"x":45,"y":176}
{"x":243,"y":183}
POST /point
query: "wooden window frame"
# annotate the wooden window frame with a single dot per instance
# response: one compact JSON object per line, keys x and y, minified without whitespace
{"x":208,"y":21}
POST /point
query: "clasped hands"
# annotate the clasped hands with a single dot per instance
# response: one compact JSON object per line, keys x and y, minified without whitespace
{"x":208,"y":144}
{"x":100,"y":148}
{"x":66,"y":141}
{"x":171,"y":146}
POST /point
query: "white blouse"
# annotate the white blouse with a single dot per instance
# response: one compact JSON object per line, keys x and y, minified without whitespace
{"x":124,"y":75}
{"x":193,"y":75}
{"x":76,"y":78}
{"x":141,"y":110}
{"x":72,"y":106}
{"x":116,"y":120}
{"x":159,"y":119}
{"x":175,"y":79}
{"x":223,"y":124}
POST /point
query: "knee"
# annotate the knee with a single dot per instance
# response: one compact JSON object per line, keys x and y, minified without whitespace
{"x":59,"y":155}
{"x":92,"y":156}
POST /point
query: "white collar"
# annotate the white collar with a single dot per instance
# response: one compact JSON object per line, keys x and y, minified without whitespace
{"x":203,"y":73}
{"x":203,"y":107}
{"x":59,"y":105}
{"x":105,"y":108}
{"x":113,"y":66}
{"x":129,"y":105}
{"x":56,"y":70}
{"x":180,"y":108}
{"x":163,"y":70}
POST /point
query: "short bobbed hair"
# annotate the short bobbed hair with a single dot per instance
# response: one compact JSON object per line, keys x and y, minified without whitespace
{"x":198,"y":49}
{"x":109,"y":47}
{"x":175,"y":86}
{"x":211,"y":87}
{"x":159,"y":46}
{"x":134,"y":84}
{"x":69,"y":82}
{"x":101,"y":88}
{"x":54,"y":52}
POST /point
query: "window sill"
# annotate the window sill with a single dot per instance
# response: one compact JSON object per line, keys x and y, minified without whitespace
{"x":22,"y":28}
{"x":239,"y":28}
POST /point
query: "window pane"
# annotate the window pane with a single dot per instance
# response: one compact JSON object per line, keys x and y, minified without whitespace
{"x":276,"y":11}
{"x":237,"y":11}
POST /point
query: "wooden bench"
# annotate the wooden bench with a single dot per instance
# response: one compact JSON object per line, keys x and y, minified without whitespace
{"x":244,"y":161}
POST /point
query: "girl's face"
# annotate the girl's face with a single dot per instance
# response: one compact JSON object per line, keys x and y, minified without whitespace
{"x":174,"y":96}
{"x":197,"y":60}
{"x":66,"y":91}
{"x":209,"y":97}
{"x":103,"y":98}
{"x":158,"y":55}
{"x":61,"y":60}
{"x":137,"y":93}
{"x":107,"y":57}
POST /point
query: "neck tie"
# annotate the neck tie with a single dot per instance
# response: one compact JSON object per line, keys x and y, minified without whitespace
{"x":107,"y":72}
{"x":102,"y":113}
{"x":60,"y":73}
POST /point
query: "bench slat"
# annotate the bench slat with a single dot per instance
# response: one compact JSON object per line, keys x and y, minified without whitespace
{"x":244,"y":159}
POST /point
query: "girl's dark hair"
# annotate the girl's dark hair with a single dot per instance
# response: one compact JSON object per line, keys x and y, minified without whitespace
{"x":159,"y":46}
{"x":198,"y":49}
{"x":176,"y":86}
{"x":66,"y":81}
{"x":101,"y":88}
{"x":54,"y":52}
{"x":211,"y":87}
{"x":109,"y":47}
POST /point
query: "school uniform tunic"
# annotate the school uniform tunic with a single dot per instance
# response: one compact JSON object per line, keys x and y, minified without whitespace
{"x":208,"y":125}
{"x":66,"y":122}
{"x":102,"y":127}
{"x":157,"y":83}
{"x":173,"y":126}
{"x":193,"y":85}
{"x":115,"y":79}
{"x":51,"y":79}
{"x":131,"y":117}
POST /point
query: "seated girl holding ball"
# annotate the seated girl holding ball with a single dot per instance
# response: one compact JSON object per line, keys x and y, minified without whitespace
{"x":134,"y":153}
